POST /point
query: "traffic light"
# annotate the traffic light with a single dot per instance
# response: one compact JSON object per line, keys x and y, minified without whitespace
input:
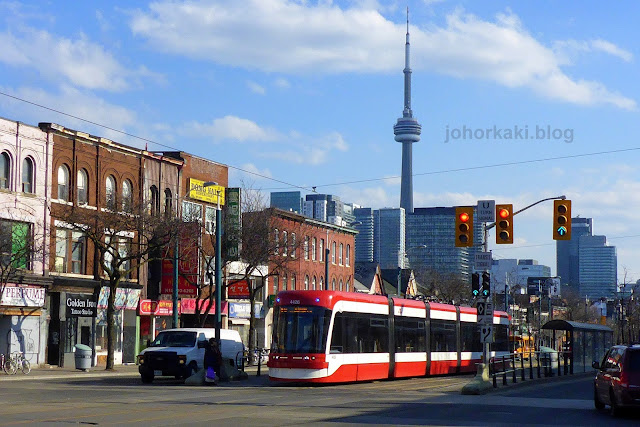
{"x":486,"y":284}
{"x":464,"y":227}
{"x":504,"y":224}
{"x":475,"y":284}
{"x":562,"y":220}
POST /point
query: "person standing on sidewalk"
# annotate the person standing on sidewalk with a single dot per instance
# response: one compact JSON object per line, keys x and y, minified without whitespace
{"x":212,"y":361}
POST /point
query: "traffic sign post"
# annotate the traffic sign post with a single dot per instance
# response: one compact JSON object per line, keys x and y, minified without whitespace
{"x":486,"y":334}
{"x":482,"y":261}
{"x":486,"y":210}
{"x":485,"y":313}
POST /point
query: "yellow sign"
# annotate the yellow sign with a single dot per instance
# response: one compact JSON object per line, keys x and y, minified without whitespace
{"x":210,"y":194}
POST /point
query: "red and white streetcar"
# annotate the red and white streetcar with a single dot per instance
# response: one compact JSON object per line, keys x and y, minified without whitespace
{"x":332,"y":337}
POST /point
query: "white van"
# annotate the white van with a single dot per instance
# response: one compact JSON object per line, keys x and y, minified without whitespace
{"x":180,"y":352}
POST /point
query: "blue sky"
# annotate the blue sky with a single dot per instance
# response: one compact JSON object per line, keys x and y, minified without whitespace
{"x":307,"y":93}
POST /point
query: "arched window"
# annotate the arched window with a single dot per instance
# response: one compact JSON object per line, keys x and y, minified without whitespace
{"x":333,"y":285}
{"x":5,"y":171}
{"x":314,"y":243}
{"x":284,"y":243}
{"x":306,"y":283}
{"x":340,"y":254}
{"x":82,"y":185}
{"x":127,"y":195}
{"x":168,"y":202}
{"x":27,"y":175}
{"x":293,"y":283}
{"x":346,"y":288}
{"x":341,"y":285}
{"x":284,"y":283}
{"x":154,"y":201}
{"x":321,"y":283}
{"x":63,"y":183}
{"x":348,"y":257}
{"x":313,"y":283}
{"x":333,"y":252}
{"x":110,"y":193}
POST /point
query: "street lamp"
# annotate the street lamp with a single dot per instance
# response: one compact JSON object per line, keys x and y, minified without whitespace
{"x":176,"y":254}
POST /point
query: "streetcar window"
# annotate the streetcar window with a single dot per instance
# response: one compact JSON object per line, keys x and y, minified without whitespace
{"x":501,"y":338}
{"x":300,"y":329}
{"x":359,"y":333}
{"x":443,"y":335}
{"x":410,"y":335}
{"x":470,"y":337}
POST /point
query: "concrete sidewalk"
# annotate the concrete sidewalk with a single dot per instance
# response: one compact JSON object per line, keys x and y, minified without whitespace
{"x":128,"y":370}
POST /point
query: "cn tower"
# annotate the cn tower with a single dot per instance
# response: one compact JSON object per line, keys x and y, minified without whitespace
{"x":407,"y":131}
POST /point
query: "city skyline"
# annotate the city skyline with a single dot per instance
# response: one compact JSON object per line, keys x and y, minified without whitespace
{"x":313,"y":106}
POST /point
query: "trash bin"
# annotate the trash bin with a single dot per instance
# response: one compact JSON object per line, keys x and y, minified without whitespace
{"x":83,"y":357}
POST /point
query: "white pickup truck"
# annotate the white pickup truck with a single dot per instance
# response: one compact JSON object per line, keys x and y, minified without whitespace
{"x":180,"y":352}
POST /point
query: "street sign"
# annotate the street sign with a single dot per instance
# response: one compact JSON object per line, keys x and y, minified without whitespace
{"x":482,"y":261}
{"x":486,"y":334}
{"x":485,"y":313}
{"x":486,"y":210}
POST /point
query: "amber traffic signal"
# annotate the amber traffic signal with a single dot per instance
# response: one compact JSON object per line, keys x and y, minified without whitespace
{"x":562,"y":220}
{"x":504,"y":224}
{"x":464,"y":227}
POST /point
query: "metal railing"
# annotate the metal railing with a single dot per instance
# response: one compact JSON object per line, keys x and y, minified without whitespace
{"x":529,"y":364}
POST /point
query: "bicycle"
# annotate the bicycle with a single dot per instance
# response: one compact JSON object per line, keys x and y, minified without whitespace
{"x":8,"y":365}
{"x":21,"y":363}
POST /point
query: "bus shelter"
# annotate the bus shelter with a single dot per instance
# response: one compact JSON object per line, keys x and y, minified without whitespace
{"x":582,"y":343}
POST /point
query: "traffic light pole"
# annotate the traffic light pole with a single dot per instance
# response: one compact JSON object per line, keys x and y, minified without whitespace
{"x":493,"y":224}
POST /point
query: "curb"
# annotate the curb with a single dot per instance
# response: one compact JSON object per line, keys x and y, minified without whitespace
{"x":537,"y":381}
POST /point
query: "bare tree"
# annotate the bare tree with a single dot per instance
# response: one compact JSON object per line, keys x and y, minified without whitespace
{"x":445,"y":287}
{"x":123,"y":241}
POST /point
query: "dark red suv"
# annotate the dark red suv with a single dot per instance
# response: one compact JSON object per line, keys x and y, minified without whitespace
{"x":617,"y":381}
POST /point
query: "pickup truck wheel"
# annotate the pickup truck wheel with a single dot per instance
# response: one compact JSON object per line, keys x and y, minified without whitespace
{"x":146,"y":378}
{"x":191,"y":369}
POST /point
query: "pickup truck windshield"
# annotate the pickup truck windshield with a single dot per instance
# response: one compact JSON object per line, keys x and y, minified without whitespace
{"x":175,"y":339}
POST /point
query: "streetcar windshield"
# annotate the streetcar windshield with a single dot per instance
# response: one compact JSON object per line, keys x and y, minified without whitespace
{"x":300,"y":329}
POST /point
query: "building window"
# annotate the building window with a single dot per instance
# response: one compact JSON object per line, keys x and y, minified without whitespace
{"x":284,"y":283}
{"x":275,"y":285}
{"x":346,"y":288}
{"x":15,"y":244}
{"x":321,"y":252}
{"x":333,"y":285}
{"x":306,"y":283}
{"x":341,"y":284}
{"x":191,"y":212}
{"x":210,"y":219}
{"x":293,"y":283}
{"x":154,"y":203}
{"x":333,"y":252}
{"x":313,"y":283}
{"x":314,"y":243}
{"x":340,"y":254}
{"x":127,"y":196}
{"x":306,"y":248}
{"x":63,"y":183}
{"x":293,"y":245}
{"x":70,"y":251}
{"x":168,"y":202}
{"x":82,"y":185}
{"x":321,"y":284}
{"x":276,"y":235}
{"x":27,"y":175}
{"x":5,"y":171}
{"x":110,"y":193}
{"x":121,"y":245}
{"x":284,"y":243}
{"x":348,"y":257}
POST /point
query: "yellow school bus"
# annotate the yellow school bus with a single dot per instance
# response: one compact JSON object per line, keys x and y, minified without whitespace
{"x":523,"y":344}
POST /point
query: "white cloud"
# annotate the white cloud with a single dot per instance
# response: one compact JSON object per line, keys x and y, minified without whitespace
{"x":328,"y":39}
{"x":231,"y":128}
{"x":78,"y":61}
{"x":282,"y":83}
{"x":568,"y":50}
{"x":256,"y":88}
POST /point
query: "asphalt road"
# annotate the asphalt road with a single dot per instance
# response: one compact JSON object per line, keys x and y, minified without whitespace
{"x":423,"y":401}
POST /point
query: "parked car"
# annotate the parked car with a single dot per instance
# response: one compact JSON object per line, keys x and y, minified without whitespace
{"x":617,"y":381}
{"x":180,"y":352}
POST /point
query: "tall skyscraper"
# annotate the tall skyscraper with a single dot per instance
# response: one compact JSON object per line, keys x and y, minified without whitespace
{"x":389,"y":235}
{"x":364,"y":239}
{"x":567,"y":256}
{"x":287,"y":201}
{"x":325,"y":207}
{"x":407,"y":131}
{"x":598,"y":267}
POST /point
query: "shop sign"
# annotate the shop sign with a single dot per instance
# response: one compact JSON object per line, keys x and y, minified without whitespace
{"x":241,"y":310}
{"x":212,"y":194}
{"x":156,"y":308}
{"x":23,"y":296}
{"x":233,"y":224}
{"x":81,"y":305}
{"x":238,"y":289}
{"x":188,"y":306}
{"x":125,"y":298}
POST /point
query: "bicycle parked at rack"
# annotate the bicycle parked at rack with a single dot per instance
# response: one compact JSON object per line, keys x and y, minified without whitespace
{"x":21,"y":363}
{"x":8,"y":365}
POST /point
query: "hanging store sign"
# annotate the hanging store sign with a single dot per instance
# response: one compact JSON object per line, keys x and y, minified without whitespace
{"x":155,"y":308}
{"x":125,"y":298}
{"x":238,"y":289}
{"x":23,"y":296}
{"x":233,"y":224}
{"x":81,"y":305}
{"x":212,"y":194}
